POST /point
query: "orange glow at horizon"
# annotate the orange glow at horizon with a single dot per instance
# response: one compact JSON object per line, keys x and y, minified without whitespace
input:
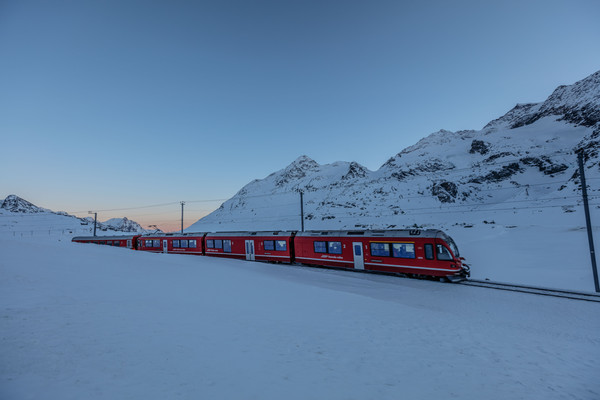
{"x":166,"y":221}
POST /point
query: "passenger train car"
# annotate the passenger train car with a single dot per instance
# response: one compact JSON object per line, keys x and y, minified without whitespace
{"x":252,"y":246}
{"x":186,"y":243}
{"x":411,"y":252}
{"x":416,"y":252}
{"x":129,"y":241}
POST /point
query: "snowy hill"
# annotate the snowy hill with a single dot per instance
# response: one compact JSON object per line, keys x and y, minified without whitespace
{"x":18,"y":217}
{"x":515,"y":180}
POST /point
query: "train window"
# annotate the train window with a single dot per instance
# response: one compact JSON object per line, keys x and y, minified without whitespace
{"x":443,"y":253}
{"x":148,"y":243}
{"x":429,"y":251}
{"x":117,"y":243}
{"x":218,"y":244}
{"x":280,"y":245}
{"x":102,"y":242}
{"x":175,"y":243}
{"x":380,"y":249}
{"x":334,"y":247}
{"x":156,"y":243}
{"x":210,"y":244}
{"x":184,"y":243}
{"x":403,"y":250}
{"x":109,"y":243}
{"x":192,"y":244}
{"x":320,"y":247}
{"x":227,"y":246}
{"x":269,"y":244}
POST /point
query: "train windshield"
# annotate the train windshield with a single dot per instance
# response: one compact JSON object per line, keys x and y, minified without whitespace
{"x":450,"y":243}
{"x":453,"y":246}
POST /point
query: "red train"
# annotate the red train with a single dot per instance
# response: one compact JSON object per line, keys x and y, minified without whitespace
{"x":412,"y":252}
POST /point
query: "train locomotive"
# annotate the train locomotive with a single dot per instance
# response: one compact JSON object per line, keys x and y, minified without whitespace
{"x":419,"y":253}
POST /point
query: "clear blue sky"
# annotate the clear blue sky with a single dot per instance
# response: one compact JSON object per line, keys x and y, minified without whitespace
{"x":116,"y":104}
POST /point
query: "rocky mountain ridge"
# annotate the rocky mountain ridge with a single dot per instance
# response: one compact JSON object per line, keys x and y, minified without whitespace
{"x":16,"y":204}
{"x":524,"y":160}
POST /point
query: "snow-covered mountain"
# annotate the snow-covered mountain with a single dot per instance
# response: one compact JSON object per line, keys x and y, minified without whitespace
{"x":525,"y":160}
{"x":20,"y":216}
{"x":124,"y":225}
{"x":16,"y":204}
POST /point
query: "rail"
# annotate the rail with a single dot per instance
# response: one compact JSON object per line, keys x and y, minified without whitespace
{"x":542,"y":291}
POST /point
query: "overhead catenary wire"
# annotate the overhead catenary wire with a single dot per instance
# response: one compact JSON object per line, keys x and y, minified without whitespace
{"x":430,"y":211}
{"x":471,"y":204}
{"x":270,"y":195}
{"x":432,"y":176}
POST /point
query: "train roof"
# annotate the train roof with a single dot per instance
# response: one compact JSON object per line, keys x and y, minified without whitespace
{"x":250,"y":234}
{"x":428,"y":233}
{"x":219,"y":234}
{"x":173,"y":234}
{"x":125,"y":237}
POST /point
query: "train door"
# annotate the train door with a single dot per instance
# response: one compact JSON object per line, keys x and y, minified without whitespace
{"x":128,"y":243}
{"x":250,"y":250}
{"x":165,"y":246}
{"x":359,"y":260}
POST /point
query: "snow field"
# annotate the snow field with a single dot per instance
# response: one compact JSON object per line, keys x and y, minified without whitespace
{"x":87,"y":321}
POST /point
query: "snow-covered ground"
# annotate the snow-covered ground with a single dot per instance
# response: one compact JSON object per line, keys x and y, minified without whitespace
{"x":545,"y":248}
{"x":89,"y":322}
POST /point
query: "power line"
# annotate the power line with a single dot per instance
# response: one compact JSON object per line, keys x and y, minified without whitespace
{"x":436,"y":174}
{"x":127,"y":208}
{"x":425,"y":211}
{"x":339,"y":205}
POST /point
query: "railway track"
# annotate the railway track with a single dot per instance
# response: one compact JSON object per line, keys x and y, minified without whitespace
{"x":567,"y":294}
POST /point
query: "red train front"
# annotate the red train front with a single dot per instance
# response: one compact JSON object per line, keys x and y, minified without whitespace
{"x":413,"y":252}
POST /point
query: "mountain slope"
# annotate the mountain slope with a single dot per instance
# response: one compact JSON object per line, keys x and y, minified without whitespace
{"x":525,"y":159}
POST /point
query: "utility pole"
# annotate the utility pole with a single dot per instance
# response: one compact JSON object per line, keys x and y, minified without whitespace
{"x":587,"y":219}
{"x":182,"y":203}
{"x":302,"y":209}
{"x":95,"y":220}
